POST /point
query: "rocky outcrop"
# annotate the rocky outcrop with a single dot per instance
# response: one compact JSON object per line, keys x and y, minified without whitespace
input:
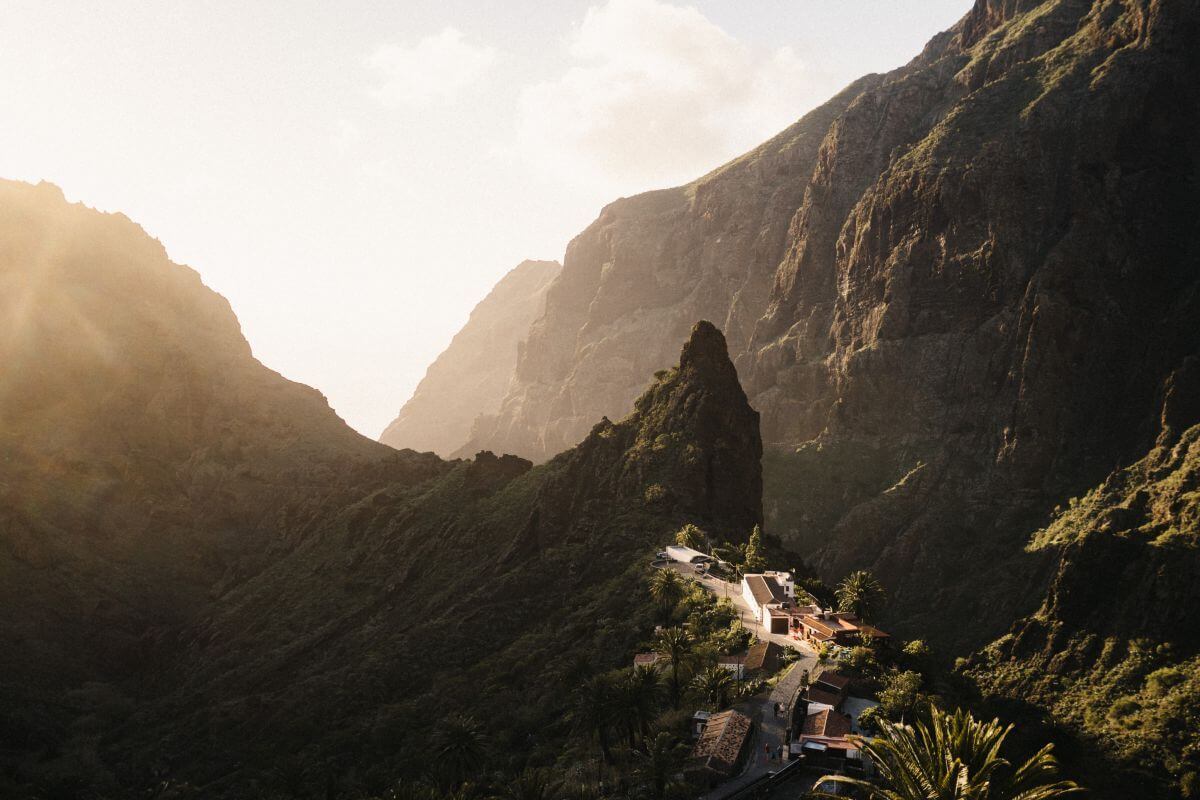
{"x":954,"y":294}
{"x":470,"y":378}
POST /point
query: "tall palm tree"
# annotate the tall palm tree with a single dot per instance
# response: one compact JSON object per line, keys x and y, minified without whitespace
{"x":861,"y":593}
{"x":658,"y":763}
{"x":714,"y":685}
{"x":675,"y":645}
{"x":459,"y":747}
{"x":691,"y":536}
{"x":641,"y":700}
{"x":667,"y":589}
{"x":594,"y":712}
{"x":954,"y":757}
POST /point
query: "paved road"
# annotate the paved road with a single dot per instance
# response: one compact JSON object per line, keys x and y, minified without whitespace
{"x":769,"y":729}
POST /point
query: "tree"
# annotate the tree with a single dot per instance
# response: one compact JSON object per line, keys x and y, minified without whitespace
{"x":675,"y":645}
{"x":593,"y":713}
{"x":691,"y":536}
{"x":641,"y":699}
{"x":953,"y":757}
{"x":658,"y":763}
{"x":667,"y":589}
{"x":754,"y":559}
{"x":459,"y":747}
{"x":900,"y":694}
{"x":860,"y":593}
{"x":714,"y":685}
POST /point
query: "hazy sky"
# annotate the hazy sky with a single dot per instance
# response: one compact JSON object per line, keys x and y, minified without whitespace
{"x":354,"y":176}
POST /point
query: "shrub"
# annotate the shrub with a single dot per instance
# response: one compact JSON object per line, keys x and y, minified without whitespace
{"x":1161,"y":681}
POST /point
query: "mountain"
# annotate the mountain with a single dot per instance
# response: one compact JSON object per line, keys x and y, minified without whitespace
{"x":478,"y":591}
{"x":148,"y":465}
{"x":469,"y":379}
{"x":955,"y":293}
{"x":145,"y":451}
{"x":211,"y":587}
{"x":1113,"y":653}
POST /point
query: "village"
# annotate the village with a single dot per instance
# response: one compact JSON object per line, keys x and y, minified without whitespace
{"x":798,"y":718}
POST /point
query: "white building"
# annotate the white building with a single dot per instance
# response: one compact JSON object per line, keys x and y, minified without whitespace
{"x":764,"y":590}
{"x":686,"y":555}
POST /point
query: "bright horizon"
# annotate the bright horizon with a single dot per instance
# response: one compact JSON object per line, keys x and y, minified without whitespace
{"x":354,"y":180}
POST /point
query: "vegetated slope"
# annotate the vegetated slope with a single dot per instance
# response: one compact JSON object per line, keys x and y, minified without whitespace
{"x":482,"y":591}
{"x":1113,"y":654}
{"x":954,"y":299}
{"x":147,"y":461}
{"x":470,"y":377}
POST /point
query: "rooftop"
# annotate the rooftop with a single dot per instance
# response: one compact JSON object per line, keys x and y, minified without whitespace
{"x":827,"y":723}
{"x":765,"y":590}
{"x":721,"y":743}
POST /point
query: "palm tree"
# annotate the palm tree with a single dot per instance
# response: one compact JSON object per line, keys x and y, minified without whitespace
{"x":713,"y":684}
{"x":954,"y":757}
{"x":659,"y":762}
{"x":691,"y":536}
{"x":593,"y":712}
{"x":641,"y":699}
{"x":667,"y":589}
{"x":459,"y":747}
{"x":675,"y":645}
{"x":861,"y":593}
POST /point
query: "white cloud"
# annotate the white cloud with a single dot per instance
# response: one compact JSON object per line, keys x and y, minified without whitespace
{"x":656,"y":95}
{"x":438,"y":68}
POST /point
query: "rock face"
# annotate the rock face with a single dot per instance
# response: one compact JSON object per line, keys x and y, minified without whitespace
{"x":1112,"y":653}
{"x":636,"y":280}
{"x":954,"y":293}
{"x":470,"y":378}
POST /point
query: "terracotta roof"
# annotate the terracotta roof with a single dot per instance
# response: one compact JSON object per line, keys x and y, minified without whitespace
{"x":765,"y":590}
{"x":720,"y":745}
{"x":822,"y":696}
{"x":763,"y":656}
{"x":872,"y":631}
{"x":645,"y":658}
{"x":820,"y":626}
{"x":832,"y":679}
{"x":826,"y":723}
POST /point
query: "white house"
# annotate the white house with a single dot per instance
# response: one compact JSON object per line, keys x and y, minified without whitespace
{"x":764,"y":590}
{"x":686,"y":555}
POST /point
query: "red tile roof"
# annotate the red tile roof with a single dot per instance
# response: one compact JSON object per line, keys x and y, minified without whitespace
{"x":721,"y":744}
{"x":826,"y":723}
{"x":820,"y":696}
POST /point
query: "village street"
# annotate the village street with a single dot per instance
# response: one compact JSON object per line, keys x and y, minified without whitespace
{"x":769,"y":729}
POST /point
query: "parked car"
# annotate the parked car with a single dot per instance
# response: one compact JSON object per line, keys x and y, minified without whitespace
{"x":662,"y":556}
{"x":700,"y":569}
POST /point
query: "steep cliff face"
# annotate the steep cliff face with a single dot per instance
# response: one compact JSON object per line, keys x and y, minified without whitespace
{"x":636,"y":280}
{"x":955,"y":300}
{"x":1113,"y":654}
{"x":477,"y":591}
{"x":470,"y":378}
